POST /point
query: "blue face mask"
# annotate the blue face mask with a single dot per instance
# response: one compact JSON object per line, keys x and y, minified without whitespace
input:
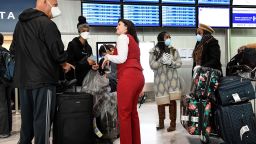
{"x":168,"y":42}
{"x":198,"y":37}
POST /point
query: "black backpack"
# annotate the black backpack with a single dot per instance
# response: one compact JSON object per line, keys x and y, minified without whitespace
{"x":243,"y":62}
{"x":7,"y":64}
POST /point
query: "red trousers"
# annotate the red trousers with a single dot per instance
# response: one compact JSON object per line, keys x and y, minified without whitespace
{"x":130,"y":84}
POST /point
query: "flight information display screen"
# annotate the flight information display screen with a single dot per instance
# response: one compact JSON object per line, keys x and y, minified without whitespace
{"x":213,"y":16}
{"x":244,"y":17}
{"x":244,"y":2}
{"x":178,"y":16}
{"x":150,"y":1}
{"x":179,"y":1}
{"x":101,"y":0}
{"x":142,"y":15}
{"x":214,"y":2}
{"x":101,"y":14}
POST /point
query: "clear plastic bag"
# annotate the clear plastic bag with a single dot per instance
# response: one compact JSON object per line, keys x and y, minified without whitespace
{"x":109,"y":117}
{"x":94,"y":83}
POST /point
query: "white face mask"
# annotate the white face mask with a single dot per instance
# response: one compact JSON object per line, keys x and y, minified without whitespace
{"x":54,"y":10}
{"x":85,"y":35}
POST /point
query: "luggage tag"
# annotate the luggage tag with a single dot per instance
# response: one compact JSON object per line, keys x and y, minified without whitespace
{"x":184,"y":118}
{"x":243,"y":130}
{"x":236,"y":97}
{"x":194,"y":119}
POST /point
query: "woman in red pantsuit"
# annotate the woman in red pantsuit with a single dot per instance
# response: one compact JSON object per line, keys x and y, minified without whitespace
{"x":130,"y":80}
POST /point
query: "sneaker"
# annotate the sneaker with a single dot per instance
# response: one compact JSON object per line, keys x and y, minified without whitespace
{"x":4,"y":135}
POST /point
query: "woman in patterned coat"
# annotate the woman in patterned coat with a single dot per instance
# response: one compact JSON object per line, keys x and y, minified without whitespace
{"x":164,"y":61}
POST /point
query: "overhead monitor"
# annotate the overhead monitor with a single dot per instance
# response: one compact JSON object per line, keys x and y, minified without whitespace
{"x":214,"y":16}
{"x":244,"y":2}
{"x":179,"y":1}
{"x":244,"y":17}
{"x":145,"y":1}
{"x":214,"y":2}
{"x":142,"y":15}
{"x":178,"y":16}
{"x":100,"y":0}
{"x":148,"y":73}
{"x":101,"y":14}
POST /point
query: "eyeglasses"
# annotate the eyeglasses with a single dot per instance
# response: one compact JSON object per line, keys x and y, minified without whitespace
{"x":52,"y":5}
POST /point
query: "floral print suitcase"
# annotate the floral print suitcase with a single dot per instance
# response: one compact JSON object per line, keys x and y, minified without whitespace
{"x":196,"y":106}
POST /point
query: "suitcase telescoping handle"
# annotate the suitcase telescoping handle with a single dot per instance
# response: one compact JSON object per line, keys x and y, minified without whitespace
{"x":237,"y":99}
{"x":73,"y":81}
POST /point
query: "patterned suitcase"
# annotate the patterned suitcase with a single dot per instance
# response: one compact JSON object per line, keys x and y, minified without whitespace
{"x":196,"y":107}
{"x":195,"y":116}
{"x":205,"y":83}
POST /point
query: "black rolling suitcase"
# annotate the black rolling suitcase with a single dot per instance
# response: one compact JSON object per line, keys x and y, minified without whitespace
{"x":73,"y":123}
{"x":237,"y":123}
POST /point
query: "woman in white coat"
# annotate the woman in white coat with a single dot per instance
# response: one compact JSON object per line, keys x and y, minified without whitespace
{"x":164,"y":61}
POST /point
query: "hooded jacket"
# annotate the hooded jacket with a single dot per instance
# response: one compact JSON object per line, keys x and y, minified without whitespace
{"x":2,"y":63}
{"x":77,"y":56}
{"x":38,"y":50}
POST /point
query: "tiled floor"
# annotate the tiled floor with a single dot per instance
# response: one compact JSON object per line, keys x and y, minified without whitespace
{"x":149,"y":135}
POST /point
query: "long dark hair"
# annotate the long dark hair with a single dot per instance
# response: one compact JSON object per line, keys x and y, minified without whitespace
{"x":104,"y":48}
{"x":130,"y":28}
{"x":160,"y":44}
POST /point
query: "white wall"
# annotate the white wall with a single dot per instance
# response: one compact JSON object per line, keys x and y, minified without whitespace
{"x":240,"y":37}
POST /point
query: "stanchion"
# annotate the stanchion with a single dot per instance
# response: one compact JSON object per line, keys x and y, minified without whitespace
{"x":17,"y":101}
{"x":254,"y":103}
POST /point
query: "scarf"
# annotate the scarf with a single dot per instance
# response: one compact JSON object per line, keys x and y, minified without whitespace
{"x":197,"y":53}
{"x":158,"y":53}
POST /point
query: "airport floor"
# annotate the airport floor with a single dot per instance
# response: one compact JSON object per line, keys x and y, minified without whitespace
{"x":149,"y":135}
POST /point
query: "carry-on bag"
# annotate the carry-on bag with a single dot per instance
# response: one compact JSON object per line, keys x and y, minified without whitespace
{"x":205,"y":82}
{"x":234,"y":89}
{"x":73,"y":123}
{"x":195,"y":115}
{"x":236,"y":123}
{"x":196,"y":107}
{"x":108,"y":122}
